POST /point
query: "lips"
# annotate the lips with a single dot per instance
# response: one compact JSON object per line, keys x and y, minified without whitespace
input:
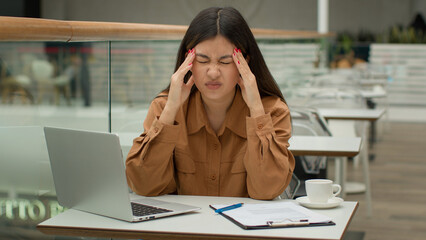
{"x":213,"y":85}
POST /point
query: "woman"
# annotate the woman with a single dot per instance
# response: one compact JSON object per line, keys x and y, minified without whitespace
{"x":221,"y":127}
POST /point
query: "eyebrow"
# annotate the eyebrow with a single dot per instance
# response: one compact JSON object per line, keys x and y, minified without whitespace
{"x":207,"y":57}
{"x":225,"y":56}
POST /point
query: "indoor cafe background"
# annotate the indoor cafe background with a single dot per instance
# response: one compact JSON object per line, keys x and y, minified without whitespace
{"x":73,"y":93}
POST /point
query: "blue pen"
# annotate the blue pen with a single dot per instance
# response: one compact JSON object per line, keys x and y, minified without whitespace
{"x":234,"y":206}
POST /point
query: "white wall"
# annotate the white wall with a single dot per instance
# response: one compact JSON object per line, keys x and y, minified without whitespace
{"x":349,"y":15}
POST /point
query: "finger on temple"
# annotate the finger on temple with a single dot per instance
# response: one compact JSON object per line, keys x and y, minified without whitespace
{"x":189,"y":58}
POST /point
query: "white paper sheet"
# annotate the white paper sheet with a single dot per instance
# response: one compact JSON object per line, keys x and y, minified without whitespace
{"x":259,"y":214}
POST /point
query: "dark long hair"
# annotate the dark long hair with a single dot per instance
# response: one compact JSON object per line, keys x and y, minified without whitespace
{"x":229,"y":23}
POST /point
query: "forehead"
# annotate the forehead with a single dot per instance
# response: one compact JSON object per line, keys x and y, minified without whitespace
{"x":218,"y":45}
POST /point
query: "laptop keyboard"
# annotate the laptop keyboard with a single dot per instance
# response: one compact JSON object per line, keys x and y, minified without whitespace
{"x":143,"y":210}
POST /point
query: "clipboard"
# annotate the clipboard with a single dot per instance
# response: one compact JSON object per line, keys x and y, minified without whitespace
{"x":281,"y":214}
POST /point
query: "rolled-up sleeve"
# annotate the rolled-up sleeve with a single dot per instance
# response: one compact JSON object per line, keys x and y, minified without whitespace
{"x":268,"y":161}
{"x":149,"y":164}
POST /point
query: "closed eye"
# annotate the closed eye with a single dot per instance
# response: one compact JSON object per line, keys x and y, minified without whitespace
{"x":201,"y":58}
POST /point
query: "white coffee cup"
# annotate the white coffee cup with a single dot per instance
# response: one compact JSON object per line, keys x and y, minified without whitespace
{"x":321,"y":190}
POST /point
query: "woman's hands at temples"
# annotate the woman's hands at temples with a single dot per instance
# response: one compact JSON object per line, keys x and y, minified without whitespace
{"x":179,"y":90}
{"x":248,"y":85}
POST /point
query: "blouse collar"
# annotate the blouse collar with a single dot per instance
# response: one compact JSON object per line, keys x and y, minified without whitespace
{"x":235,"y":119}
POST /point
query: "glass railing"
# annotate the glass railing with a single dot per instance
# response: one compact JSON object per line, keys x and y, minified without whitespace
{"x":98,"y":85}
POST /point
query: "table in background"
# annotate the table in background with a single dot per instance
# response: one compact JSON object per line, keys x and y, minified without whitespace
{"x":204,"y":224}
{"x":371,"y":115}
{"x":325,"y":146}
{"x":330,"y":147}
{"x":351,"y":113}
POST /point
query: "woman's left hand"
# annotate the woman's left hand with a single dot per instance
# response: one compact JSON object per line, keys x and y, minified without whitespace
{"x":248,"y":85}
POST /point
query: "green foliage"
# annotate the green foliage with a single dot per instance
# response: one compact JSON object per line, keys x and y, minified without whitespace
{"x":398,"y":34}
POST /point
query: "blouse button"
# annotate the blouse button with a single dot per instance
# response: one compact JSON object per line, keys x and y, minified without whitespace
{"x":213,"y":177}
{"x":156,"y":130}
{"x":215,"y":146}
{"x":259,"y":126}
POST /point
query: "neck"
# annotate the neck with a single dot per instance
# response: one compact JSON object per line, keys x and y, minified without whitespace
{"x":218,"y":107}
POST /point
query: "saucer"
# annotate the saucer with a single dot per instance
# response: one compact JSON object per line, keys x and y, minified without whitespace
{"x":332,"y":202}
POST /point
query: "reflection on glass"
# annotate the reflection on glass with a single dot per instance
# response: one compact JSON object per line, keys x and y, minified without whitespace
{"x":43,"y":84}
{"x":55,"y":84}
{"x":140,"y":70}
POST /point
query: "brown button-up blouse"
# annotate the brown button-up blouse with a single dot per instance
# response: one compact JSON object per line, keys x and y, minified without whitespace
{"x":248,"y":157}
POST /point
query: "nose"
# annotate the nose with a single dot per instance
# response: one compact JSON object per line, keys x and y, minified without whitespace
{"x":213,"y":71}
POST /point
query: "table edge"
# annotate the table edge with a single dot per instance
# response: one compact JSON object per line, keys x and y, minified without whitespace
{"x":324,"y":153}
{"x":152,"y":235}
{"x":350,"y":220}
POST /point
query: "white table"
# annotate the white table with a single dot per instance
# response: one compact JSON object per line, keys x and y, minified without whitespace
{"x":358,"y":114}
{"x":382,"y":81}
{"x":325,"y":146}
{"x":204,"y":224}
{"x":351,"y":113}
{"x":369,"y":94}
{"x":330,"y":147}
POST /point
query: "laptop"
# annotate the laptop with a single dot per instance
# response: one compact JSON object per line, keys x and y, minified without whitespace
{"x":89,"y":175}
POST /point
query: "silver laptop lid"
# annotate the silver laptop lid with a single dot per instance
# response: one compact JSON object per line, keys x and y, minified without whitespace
{"x":88,"y":171}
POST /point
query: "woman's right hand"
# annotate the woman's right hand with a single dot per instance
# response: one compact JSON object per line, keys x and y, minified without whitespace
{"x":179,"y":91}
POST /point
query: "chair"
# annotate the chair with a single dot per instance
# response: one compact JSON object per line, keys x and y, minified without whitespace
{"x":14,"y":84}
{"x":61,"y":84}
{"x":311,"y":118}
{"x":292,"y":188}
{"x":308,"y":122}
{"x":337,"y":98}
{"x":43,"y":73}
